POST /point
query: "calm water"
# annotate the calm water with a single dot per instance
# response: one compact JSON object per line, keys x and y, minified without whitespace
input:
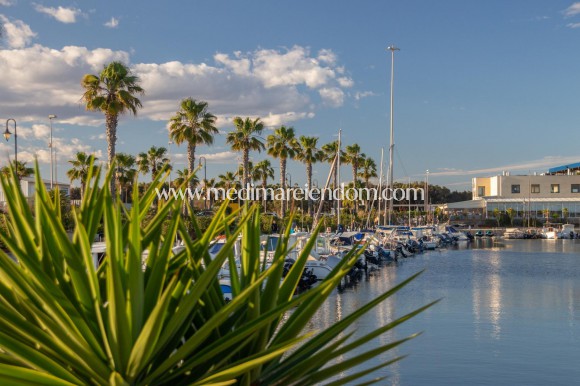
{"x":509,"y":314}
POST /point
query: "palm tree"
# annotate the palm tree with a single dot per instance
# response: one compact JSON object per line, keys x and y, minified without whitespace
{"x":192,"y":124}
{"x":153,"y":161}
{"x":208,"y":185}
{"x":283,"y":145}
{"x":227,"y":181}
{"x":354,"y":157}
{"x":245,"y":138}
{"x":368,"y":171}
{"x":261,"y":172}
{"x":182,"y":175}
{"x":113,"y":92}
{"x":309,"y":154}
{"x":21,"y":169}
{"x":81,"y":166}
{"x":125,"y":172}
{"x":240,"y":172}
{"x":330,"y":150}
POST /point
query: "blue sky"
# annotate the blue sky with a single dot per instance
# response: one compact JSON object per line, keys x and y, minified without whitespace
{"x":480,"y":86}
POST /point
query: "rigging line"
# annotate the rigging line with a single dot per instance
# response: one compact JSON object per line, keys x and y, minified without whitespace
{"x":401,"y":162}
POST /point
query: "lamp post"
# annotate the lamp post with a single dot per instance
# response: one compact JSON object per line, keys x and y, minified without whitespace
{"x":7,"y":135}
{"x":391,"y":48}
{"x":204,"y":177}
{"x":50,"y":145}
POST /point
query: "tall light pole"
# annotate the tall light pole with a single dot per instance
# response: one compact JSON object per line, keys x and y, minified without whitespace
{"x":392,"y":48}
{"x":50,"y":145}
{"x":204,"y":178}
{"x":7,"y":135}
{"x":427,"y":209}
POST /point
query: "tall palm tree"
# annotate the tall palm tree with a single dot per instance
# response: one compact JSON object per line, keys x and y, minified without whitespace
{"x":240,"y":172}
{"x":245,"y":138}
{"x":283,"y":145}
{"x":309,"y":154}
{"x":125,"y":172}
{"x":21,"y":169}
{"x":368,"y":171}
{"x":154,"y":160}
{"x":81,"y":166}
{"x":192,"y":124}
{"x":330,"y":150}
{"x":354,"y":157}
{"x":114,"y":92}
{"x":261,"y":172}
{"x":208,"y":185}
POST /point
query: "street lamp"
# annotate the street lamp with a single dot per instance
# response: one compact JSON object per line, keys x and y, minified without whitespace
{"x":50,"y":145}
{"x":289,"y":179}
{"x":7,"y":135}
{"x":204,"y":177}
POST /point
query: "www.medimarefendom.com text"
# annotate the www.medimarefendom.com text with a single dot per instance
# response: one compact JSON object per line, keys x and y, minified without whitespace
{"x":251,"y":193}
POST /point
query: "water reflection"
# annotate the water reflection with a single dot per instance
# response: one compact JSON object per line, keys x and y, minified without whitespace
{"x":510,"y":312}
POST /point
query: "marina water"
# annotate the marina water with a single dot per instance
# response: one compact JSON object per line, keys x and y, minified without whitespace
{"x":509,"y":314}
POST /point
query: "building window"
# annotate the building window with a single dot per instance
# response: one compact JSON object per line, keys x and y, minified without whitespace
{"x":555,"y":188}
{"x":515,"y":189}
{"x":535,"y":188}
{"x":575,"y":188}
{"x":481,"y":191}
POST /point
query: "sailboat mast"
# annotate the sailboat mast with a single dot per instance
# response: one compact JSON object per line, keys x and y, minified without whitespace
{"x":391,"y":48}
{"x":380,"y":186}
{"x":338,"y":177}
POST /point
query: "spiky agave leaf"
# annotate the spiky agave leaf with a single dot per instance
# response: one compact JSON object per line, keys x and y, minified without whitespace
{"x":160,"y":321}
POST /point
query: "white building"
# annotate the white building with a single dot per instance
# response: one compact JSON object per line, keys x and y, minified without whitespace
{"x":554,"y":195}
{"x":28,"y":186}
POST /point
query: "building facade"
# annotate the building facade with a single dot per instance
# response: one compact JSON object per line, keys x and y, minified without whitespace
{"x":28,"y":186}
{"x":552,"y":196}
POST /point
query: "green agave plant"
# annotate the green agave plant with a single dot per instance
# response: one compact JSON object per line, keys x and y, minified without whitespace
{"x":162,"y":321}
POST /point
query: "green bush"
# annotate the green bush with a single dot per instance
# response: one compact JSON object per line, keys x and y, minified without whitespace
{"x":162,"y":320}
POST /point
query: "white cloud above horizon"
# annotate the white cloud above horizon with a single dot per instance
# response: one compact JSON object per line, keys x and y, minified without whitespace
{"x":572,"y":10}
{"x":18,"y":33}
{"x":61,"y":14}
{"x":113,"y":23}
{"x":6,"y":3}
{"x":238,"y":84}
{"x":542,"y":164}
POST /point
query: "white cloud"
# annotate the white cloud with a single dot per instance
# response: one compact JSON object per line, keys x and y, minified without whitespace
{"x":573,"y":25}
{"x":18,"y":33}
{"x":363,"y":94}
{"x":236,"y":84}
{"x":332,"y":96}
{"x":327,"y":56}
{"x":220,"y":157}
{"x":540,"y":164}
{"x":6,"y":3}
{"x":62,"y":14}
{"x":101,"y":136}
{"x":53,"y":80}
{"x":572,"y":10}
{"x":113,"y":23}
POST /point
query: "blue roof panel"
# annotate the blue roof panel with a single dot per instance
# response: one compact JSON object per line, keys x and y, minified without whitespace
{"x":564,"y":168}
